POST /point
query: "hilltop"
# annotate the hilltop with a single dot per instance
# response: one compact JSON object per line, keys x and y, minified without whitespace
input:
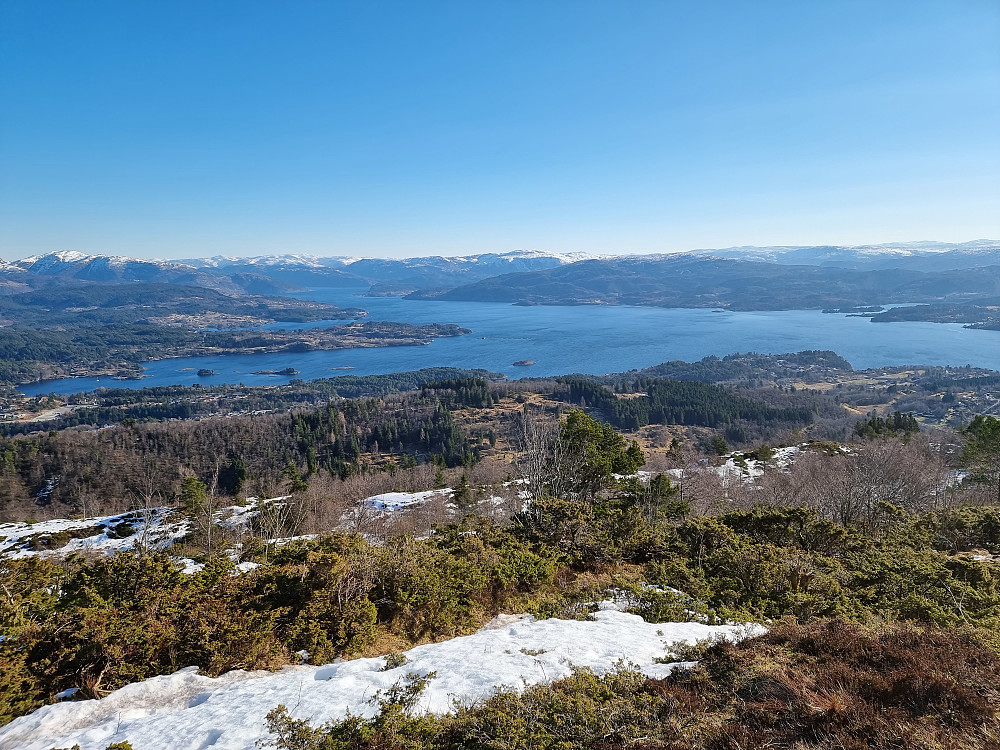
{"x":695,"y":281}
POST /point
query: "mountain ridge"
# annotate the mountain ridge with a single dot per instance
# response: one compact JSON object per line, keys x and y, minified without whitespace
{"x":439,"y":276}
{"x":688,"y":280}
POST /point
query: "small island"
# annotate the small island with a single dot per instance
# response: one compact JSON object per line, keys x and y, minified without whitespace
{"x":983,"y":314}
{"x":286,"y":371}
{"x":857,"y":311}
{"x":524,"y":363}
{"x":204,"y":372}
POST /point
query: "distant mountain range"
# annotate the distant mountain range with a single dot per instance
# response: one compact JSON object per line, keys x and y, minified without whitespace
{"x":58,"y":269}
{"x":736,"y":278}
{"x":388,"y":275}
{"x":690,"y":280}
{"x":275,"y":273}
{"x":915,"y":256}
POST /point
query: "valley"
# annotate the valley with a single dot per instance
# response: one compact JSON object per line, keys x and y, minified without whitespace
{"x":499,"y":376}
{"x":290,"y":479}
{"x":413,"y":521}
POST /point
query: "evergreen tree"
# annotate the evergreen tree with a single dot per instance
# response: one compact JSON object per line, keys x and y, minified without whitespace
{"x":295,"y":481}
{"x":194,"y":492}
{"x":589,"y":454}
{"x":463,"y":496}
{"x":982,"y":450}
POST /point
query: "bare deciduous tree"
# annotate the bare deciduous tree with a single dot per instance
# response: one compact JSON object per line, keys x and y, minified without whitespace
{"x":535,"y":444}
{"x":145,"y":499}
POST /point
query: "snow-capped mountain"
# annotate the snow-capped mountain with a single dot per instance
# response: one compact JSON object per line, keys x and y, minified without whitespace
{"x":512,"y":258}
{"x":267,"y":261}
{"x":916,"y":256}
{"x":270,"y":274}
{"x":98,"y":267}
{"x":74,"y":267}
{"x":388,"y":275}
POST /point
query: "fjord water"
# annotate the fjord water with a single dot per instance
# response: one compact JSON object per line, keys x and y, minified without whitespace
{"x":586,"y":339}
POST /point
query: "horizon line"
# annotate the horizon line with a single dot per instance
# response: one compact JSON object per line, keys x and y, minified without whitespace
{"x":902,"y":244}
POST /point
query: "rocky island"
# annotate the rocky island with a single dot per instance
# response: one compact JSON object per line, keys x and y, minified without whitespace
{"x":289,"y":371}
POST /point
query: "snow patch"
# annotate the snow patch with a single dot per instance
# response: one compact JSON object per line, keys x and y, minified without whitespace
{"x":186,"y":710}
{"x":752,"y":468}
{"x":393,"y":501}
{"x":153,"y":529}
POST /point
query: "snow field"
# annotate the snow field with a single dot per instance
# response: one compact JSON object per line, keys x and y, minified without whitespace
{"x":187,"y":711}
{"x":393,"y":501}
{"x":161,"y":527}
{"x":156,"y":531}
{"x":781,"y":460}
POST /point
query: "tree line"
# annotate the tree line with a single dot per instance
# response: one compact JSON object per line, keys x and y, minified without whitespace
{"x":59,"y":472}
{"x":680,"y":402}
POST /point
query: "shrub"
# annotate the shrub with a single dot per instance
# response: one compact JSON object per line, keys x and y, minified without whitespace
{"x":826,"y":685}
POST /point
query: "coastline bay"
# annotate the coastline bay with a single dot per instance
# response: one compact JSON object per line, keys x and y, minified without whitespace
{"x":560,"y":340}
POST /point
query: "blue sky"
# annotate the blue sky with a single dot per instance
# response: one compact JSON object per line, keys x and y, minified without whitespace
{"x":180,"y":129}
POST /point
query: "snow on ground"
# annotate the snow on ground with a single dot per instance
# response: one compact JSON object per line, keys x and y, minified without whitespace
{"x":155,"y":530}
{"x":186,"y":711}
{"x":237,"y":516}
{"x":392,"y":501}
{"x":955,"y":478}
{"x":736,"y":466}
{"x":161,"y":527}
{"x":283,"y":540}
{"x":240,"y":516}
{"x":753,"y":469}
{"x":387,"y":503}
{"x":188,"y":566}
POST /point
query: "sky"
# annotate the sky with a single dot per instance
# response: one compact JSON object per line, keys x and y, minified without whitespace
{"x":183,"y":129}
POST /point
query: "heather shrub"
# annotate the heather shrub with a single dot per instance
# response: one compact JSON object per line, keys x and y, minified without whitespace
{"x":825,"y":685}
{"x":99,"y":625}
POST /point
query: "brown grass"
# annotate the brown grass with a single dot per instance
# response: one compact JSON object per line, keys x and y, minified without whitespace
{"x":839,"y":685}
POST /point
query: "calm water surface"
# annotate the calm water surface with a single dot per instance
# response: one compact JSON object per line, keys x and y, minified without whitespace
{"x":584,"y":339}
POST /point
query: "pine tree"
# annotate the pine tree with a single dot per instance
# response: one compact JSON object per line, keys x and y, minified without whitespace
{"x":463,"y":496}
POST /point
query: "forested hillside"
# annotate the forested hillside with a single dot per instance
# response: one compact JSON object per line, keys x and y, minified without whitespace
{"x":695,"y":281}
{"x":661,"y":401}
{"x":68,"y":467}
{"x":908,"y":582}
{"x":454,"y":421}
{"x":365,"y":526}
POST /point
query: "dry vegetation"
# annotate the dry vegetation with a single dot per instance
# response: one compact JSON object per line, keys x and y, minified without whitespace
{"x":825,"y":686}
